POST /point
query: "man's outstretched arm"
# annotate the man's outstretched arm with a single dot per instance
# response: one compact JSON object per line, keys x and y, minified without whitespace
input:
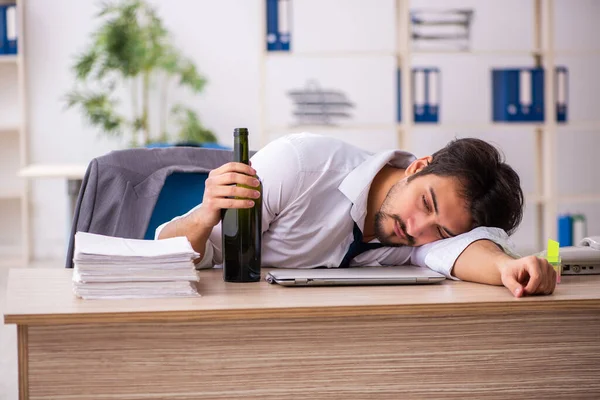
{"x":484,"y":262}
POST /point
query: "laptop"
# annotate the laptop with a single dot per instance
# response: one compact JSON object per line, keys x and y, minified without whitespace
{"x":398,"y":275}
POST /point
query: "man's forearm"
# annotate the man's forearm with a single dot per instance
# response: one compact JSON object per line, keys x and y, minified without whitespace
{"x":189,"y":227}
{"x":481,"y":262}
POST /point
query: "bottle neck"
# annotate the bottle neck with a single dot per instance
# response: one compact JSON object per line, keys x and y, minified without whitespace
{"x":240,"y":149}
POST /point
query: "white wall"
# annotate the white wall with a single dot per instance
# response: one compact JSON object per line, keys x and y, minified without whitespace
{"x":224,"y":37}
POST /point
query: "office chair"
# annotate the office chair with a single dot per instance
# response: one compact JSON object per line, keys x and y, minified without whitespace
{"x":129,"y":193}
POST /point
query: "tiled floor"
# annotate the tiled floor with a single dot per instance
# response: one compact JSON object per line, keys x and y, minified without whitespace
{"x":8,"y":338}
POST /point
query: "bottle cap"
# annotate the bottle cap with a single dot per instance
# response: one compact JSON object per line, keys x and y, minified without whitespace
{"x":240,"y":131}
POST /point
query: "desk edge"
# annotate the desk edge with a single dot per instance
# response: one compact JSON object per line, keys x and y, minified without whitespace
{"x":199,"y":315}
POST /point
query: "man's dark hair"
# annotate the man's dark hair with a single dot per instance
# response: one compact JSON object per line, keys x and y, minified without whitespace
{"x":490,"y":186}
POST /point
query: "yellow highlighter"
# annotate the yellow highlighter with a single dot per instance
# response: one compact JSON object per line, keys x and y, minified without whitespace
{"x":553,"y":257}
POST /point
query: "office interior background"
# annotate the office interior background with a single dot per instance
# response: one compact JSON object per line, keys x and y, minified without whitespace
{"x":346,"y":52}
{"x":347,"y":48}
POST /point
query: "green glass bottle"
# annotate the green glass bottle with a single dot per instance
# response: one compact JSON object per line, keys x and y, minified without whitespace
{"x":241,"y":227}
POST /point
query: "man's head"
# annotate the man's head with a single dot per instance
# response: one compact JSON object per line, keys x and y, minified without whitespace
{"x":462,"y":186}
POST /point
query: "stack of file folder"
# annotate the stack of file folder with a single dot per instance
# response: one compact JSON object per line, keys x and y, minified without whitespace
{"x":116,"y":268}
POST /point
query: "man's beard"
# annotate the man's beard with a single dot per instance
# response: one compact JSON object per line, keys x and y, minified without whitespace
{"x":380,"y":217}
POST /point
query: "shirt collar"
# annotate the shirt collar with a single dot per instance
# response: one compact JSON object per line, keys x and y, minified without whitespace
{"x":357,"y":183}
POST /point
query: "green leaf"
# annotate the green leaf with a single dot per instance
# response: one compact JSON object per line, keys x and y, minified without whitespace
{"x":190,"y":77}
{"x":98,"y":110}
{"x":191,"y":129}
{"x":138,"y":124}
{"x":169,"y":62}
{"x":85,"y":63}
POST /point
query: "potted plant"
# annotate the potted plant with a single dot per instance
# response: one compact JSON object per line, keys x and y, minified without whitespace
{"x":133,"y":50}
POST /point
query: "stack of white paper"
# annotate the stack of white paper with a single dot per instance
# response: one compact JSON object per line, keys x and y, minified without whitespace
{"x":116,"y":268}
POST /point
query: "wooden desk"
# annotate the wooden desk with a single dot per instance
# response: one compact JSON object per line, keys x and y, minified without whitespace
{"x":257,"y":341}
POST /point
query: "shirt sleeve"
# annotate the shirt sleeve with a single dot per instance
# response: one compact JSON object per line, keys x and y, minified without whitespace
{"x":275,"y":164}
{"x":441,"y":255}
{"x":161,"y":227}
{"x":279,"y":168}
{"x":208,"y":253}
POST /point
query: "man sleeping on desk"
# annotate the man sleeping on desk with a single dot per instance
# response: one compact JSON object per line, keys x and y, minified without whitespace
{"x":451,"y":211}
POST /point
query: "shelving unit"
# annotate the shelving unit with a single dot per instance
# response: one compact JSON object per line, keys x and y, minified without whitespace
{"x":14,"y":192}
{"x":583,"y":198}
{"x":9,"y":59}
{"x":545,"y":199}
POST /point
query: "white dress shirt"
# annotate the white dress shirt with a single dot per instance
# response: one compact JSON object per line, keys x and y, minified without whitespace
{"x":314,"y":189}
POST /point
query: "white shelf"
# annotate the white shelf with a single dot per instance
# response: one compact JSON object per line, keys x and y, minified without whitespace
{"x":10,"y":195}
{"x":570,"y":199}
{"x":563,"y":126}
{"x":579,"y":198}
{"x":9,"y":59}
{"x":481,"y":52}
{"x":9,"y":129}
{"x":313,"y":128}
{"x":577,"y":53}
{"x":580,"y":126}
{"x":11,"y":256}
{"x":66,"y":171}
{"x":534,"y":199}
{"x":428,"y":126}
{"x":325,"y":54}
{"x":10,"y":260}
{"x":368,"y":53}
{"x":477,"y":127}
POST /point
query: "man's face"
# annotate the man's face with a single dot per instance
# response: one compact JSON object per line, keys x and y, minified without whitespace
{"x":427,"y":209}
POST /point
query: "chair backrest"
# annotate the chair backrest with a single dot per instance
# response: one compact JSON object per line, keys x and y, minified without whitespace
{"x":181,"y":192}
{"x":129,"y":193}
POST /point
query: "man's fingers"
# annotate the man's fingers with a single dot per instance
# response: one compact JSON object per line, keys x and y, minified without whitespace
{"x":529,"y":275}
{"x":550,"y":278}
{"x":233,"y":167}
{"x":535,"y":274}
{"x":511,"y":283}
{"x":222,"y":190}
{"x":230,"y":178}
{"x":554,"y":281}
{"x":542,"y":276}
{"x":218,"y":203}
{"x":232,"y":191}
